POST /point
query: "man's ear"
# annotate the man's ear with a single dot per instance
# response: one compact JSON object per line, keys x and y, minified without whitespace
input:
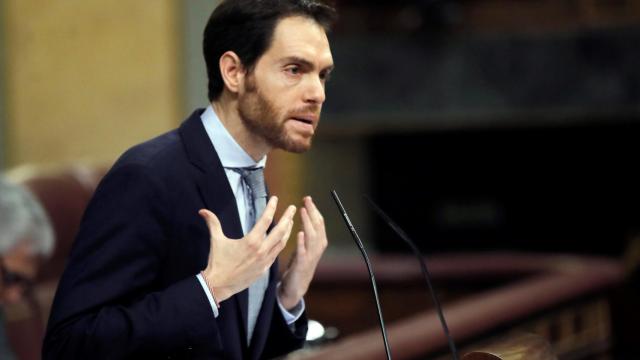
{"x":232,"y":71}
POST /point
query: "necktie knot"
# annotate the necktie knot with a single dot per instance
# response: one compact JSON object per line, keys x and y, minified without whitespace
{"x":253,"y":178}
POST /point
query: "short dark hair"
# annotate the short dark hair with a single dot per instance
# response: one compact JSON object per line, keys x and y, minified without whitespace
{"x":246,"y":27}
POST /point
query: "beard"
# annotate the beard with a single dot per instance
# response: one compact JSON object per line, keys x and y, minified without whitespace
{"x":263,"y":119}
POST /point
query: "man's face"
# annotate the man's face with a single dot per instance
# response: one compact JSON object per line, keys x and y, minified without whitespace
{"x":18,"y":268}
{"x":284,"y":93}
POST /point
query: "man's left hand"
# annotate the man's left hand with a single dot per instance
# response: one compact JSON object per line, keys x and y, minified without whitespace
{"x":310,"y":246}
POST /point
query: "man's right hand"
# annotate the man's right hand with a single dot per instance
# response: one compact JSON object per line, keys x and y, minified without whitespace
{"x":234,"y":264}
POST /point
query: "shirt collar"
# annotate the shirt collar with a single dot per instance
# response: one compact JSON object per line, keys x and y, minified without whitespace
{"x":231,"y":154}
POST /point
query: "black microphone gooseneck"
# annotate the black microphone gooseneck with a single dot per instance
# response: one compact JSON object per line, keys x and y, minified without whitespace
{"x":425,"y":272}
{"x":356,"y":238}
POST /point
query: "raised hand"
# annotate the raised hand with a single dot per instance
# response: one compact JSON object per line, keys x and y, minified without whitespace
{"x":234,"y":264}
{"x":312,"y":242}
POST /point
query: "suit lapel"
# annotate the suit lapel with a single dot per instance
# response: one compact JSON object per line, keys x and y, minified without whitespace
{"x":215,"y":190}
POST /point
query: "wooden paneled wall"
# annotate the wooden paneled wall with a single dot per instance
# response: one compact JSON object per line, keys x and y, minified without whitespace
{"x":86,"y":79}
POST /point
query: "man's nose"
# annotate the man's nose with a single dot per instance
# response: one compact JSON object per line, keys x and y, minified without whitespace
{"x":314,"y":92}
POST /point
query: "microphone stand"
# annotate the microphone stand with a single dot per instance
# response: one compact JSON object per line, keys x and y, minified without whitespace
{"x":425,"y":273}
{"x":356,"y":238}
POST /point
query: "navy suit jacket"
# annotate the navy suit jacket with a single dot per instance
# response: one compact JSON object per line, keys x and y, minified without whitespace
{"x":130,"y":290}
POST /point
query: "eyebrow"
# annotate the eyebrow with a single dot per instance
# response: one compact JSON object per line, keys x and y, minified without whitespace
{"x":306,"y":63}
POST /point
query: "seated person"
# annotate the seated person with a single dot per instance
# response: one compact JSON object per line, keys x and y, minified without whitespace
{"x":25,"y":237}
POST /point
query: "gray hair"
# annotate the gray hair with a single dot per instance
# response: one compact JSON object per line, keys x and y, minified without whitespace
{"x":22,"y":219}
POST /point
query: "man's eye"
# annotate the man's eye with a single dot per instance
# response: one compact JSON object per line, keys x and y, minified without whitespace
{"x":294,"y":70}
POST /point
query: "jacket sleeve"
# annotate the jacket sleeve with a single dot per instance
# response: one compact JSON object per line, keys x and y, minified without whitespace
{"x":109,"y":303}
{"x":284,"y":338}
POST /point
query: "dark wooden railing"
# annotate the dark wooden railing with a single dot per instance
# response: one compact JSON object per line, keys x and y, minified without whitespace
{"x":547,"y":282}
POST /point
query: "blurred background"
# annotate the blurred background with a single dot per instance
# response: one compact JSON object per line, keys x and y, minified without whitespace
{"x":482,"y":127}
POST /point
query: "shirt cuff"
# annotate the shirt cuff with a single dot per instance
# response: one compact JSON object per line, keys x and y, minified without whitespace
{"x":291,"y":316}
{"x":214,"y":307}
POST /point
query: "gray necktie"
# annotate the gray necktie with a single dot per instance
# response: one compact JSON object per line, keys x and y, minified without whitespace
{"x":257,"y":195}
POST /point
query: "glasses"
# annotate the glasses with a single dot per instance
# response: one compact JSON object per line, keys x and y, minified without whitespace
{"x":11,"y":278}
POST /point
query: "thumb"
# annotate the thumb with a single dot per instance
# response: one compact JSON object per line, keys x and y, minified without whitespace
{"x":215,"y":229}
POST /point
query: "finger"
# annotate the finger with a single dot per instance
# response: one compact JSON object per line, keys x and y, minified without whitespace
{"x":314,"y":213}
{"x":215,"y":228}
{"x":265,"y":220}
{"x":302,"y":244}
{"x":276,"y":234}
{"x":287,"y":234}
{"x":300,"y":250}
{"x":306,"y":222}
{"x":316,"y":217}
{"x":278,"y":246}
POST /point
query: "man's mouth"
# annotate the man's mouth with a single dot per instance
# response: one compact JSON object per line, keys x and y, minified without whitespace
{"x":304,"y":124}
{"x":303,"y":120}
{"x":307,"y":119}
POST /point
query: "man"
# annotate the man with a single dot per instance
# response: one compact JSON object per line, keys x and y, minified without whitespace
{"x":25,"y":237}
{"x":147,"y":277}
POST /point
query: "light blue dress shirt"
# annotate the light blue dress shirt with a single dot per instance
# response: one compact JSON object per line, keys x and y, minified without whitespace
{"x":232,"y":155}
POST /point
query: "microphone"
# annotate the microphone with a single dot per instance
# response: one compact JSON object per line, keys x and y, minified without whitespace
{"x":356,"y":238}
{"x":425,"y":272}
